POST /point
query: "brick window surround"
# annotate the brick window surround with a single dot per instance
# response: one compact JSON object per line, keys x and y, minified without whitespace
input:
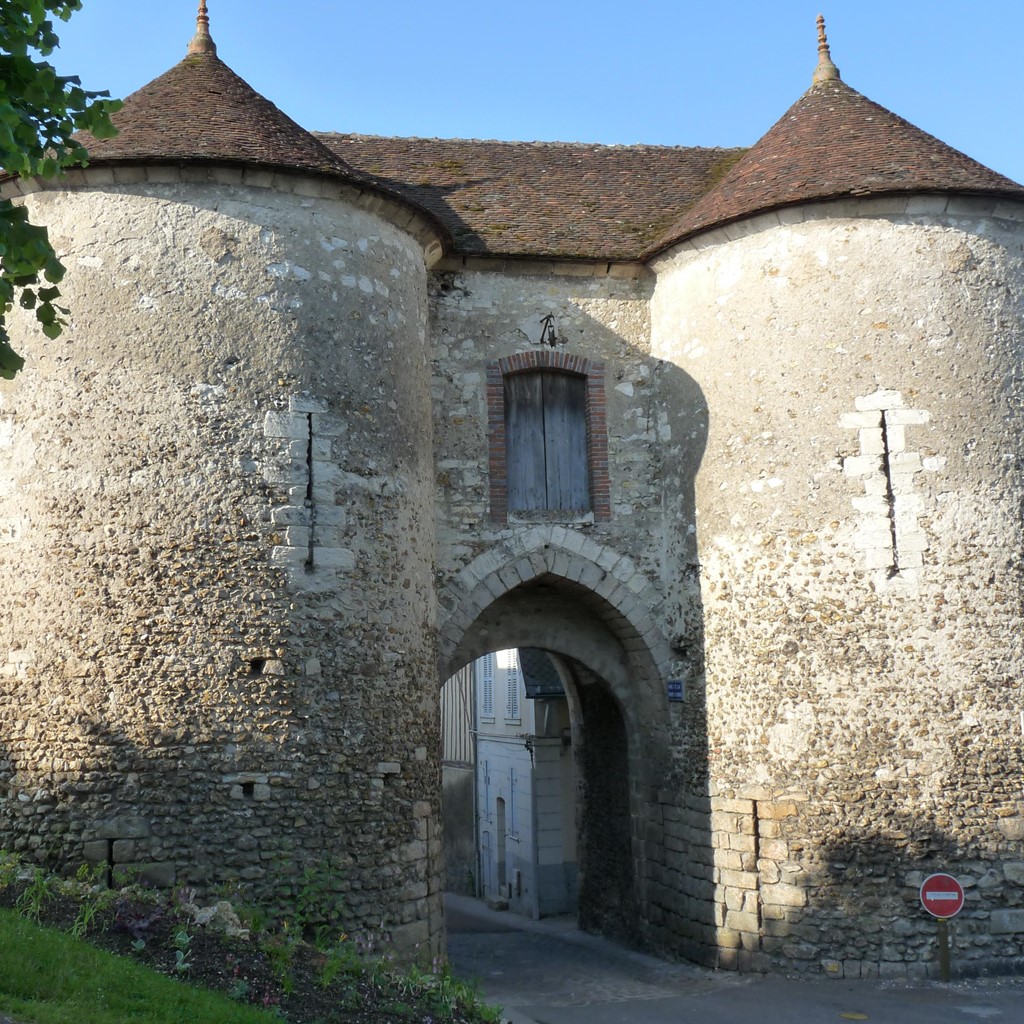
{"x":597,"y":428}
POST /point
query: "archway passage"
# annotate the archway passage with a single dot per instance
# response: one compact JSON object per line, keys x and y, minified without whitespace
{"x":612,"y":695}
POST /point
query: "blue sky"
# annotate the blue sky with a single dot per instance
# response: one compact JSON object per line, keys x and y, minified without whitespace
{"x":652,"y":71}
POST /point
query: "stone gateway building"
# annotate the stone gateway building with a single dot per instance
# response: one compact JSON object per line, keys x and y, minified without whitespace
{"x":733,"y":434}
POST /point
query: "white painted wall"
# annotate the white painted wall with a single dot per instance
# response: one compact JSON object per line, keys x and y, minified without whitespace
{"x":533,"y":776}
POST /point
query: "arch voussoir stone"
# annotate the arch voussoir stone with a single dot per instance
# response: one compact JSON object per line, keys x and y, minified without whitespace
{"x":606,"y":572}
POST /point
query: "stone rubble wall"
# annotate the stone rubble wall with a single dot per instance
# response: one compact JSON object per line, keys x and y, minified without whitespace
{"x":479,"y":318}
{"x":860,"y":582}
{"x":218,"y":546}
{"x":627,"y":598}
{"x":482,"y":318}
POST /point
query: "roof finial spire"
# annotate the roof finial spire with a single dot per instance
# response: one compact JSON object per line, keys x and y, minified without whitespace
{"x":201,"y":41}
{"x":826,"y":70}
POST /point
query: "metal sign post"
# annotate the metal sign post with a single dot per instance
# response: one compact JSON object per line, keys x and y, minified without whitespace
{"x":943,"y":897}
{"x":944,"y":949}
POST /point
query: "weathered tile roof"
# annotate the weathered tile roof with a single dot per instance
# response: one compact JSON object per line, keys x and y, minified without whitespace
{"x":201,"y":110}
{"x":835,"y":142}
{"x":541,"y":199}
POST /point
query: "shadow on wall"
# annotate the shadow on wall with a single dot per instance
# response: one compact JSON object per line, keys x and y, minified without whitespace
{"x":120,"y":810}
{"x":862,"y":909}
{"x":609,"y":902}
{"x":876,"y":873}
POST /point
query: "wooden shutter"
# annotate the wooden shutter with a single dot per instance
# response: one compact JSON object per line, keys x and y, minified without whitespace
{"x":565,"y":441}
{"x":512,"y":687}
{"x":546,"y":441}
{"x":486,"y":665}
{"x":524,"y":427}
{"x":457,"y":718}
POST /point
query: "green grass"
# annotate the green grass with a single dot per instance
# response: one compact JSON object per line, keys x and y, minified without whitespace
{"x":48,"y":978}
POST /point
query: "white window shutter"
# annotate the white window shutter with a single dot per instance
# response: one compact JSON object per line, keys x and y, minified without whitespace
{"x":512,"y":687}
{"x":487,"y":686}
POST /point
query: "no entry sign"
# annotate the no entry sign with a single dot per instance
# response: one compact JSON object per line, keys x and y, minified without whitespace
{"x":942,"y":895}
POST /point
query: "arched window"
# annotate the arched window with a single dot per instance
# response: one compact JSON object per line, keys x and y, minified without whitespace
{"x":546,"y":441}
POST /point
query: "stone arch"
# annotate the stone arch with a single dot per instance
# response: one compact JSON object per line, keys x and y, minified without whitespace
{"x":562,"y":553}
{"x":610,"y":625}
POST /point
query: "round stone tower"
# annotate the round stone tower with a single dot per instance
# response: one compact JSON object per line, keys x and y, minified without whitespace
{"x":849,"y":300}
{"x":216,"y":518}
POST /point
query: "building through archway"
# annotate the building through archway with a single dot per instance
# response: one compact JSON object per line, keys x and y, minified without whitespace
{"x":509,"y":792}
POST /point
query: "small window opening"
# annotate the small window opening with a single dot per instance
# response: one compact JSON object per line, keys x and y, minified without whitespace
{"x":501,"y":841}
{"x":256,"y":667}
{"x":248,"y":790}
{"x":309,"y":564}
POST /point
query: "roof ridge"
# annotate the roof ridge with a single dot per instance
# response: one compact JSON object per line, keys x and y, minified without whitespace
{"x":536,"y":144}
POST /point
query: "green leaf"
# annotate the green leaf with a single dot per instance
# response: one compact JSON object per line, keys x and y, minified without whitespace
{"x":39,"y":112}
{"x":54,"y":270}
{"x":10,"y":361}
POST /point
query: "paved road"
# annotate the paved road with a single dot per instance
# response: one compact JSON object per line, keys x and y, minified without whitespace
{"x":548,"y":972}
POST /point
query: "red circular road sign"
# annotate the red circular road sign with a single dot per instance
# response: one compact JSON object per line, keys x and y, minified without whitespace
{"x":942,"y":895}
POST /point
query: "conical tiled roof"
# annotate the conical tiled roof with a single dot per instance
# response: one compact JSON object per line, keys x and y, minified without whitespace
{"x":200,"y":110}
{"x":834,"y":142}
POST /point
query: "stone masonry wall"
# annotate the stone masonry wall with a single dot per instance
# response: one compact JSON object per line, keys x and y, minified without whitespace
{"x":858,"y":517}
{"x":218,"y":544}
{"x":480,"y":319}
